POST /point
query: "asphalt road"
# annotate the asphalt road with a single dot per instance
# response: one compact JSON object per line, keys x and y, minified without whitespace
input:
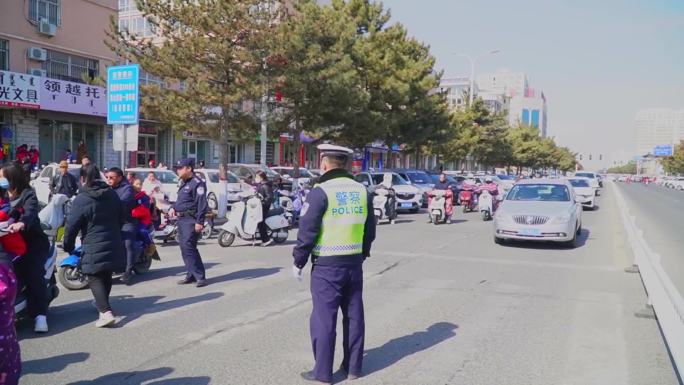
{"x":444,"y":305}
{"x":659,"y":213}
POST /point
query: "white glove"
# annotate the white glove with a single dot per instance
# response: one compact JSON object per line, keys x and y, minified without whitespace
{"x":297,"y":273}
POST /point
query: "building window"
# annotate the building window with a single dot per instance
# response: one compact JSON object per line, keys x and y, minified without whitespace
{"x":45,"y":9}
{"x":4,"y":55}
{"x":72,"y":68}
{"x":124,"y":5}
{"x":138,"y":26}
{"x":525,"y":116}
{"x":535,"y":118}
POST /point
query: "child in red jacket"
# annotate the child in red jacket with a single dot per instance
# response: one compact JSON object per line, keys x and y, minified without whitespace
{"x":12,"y":243}
{"x":142,"y":213}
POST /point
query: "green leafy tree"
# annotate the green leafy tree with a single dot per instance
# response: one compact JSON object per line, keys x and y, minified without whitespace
{"x":314,"y":69}
{"x":675,"y":164}
{"x":211,"y":55}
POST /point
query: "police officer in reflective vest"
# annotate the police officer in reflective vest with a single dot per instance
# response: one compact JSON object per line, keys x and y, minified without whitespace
{"x":190,"y":208}
{"x":337,"y":227}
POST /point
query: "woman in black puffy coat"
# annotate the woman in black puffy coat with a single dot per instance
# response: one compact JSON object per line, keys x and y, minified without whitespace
{"x":98,"y":214}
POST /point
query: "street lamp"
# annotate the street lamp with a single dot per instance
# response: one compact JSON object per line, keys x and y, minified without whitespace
{"x":472,"y":61}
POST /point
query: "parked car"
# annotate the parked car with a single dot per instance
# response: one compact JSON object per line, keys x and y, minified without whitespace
{"x":168,"y":178}
{"x":246,"y":171}
{"x":678,"y":184}
{"x":210,"y":176}
{"x":409,"y":197}
{"x":287,"y":173}
{"x":417,"y":178}
{"x":584,"y":190}
{"x":539,"y":210}
{"x":42,"y":182}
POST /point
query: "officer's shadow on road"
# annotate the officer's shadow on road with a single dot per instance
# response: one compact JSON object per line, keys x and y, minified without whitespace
{"x":243,"y":274}
{"x":67,"y":317}
{"x":393,"y":351}
{"x":52,"y":364}
{"x":167,"y":272}
{"x":144,"y":376}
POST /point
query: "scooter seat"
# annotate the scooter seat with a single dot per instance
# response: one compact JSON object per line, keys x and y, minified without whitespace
{"x":274,"y":212}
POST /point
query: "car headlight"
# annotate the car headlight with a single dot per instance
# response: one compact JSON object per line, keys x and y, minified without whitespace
{"x":561,"y":219}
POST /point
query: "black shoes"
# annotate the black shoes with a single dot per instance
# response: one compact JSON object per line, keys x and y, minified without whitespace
{"x":186,"y":281}
{"x":201,"y":283}
{"x":309,"y":376}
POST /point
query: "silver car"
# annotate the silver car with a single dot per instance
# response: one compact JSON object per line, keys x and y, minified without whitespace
{"x":539,"y":210}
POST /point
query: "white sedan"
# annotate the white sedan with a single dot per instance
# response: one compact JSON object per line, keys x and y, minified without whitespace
{"x":539,"y":210}
{"x":584,"y":191}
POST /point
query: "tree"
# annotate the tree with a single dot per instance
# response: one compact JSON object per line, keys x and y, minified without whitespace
{"x":479,"y":134}
{"x":212,"y":55}
{"x":675,"y":164}
{"x":314,"y":70}
{"x":629,"y":168}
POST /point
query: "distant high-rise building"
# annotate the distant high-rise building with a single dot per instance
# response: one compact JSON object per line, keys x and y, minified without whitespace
{"x":658,"y":127}
{"x":503,"y":82}
{"x":529,"y":109}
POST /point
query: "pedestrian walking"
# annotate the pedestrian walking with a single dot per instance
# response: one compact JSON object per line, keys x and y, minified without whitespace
{"x":129,"y":230}
{"x":98,"y":214}
{"x":190,"y":208}
{"x":31,"y":267}
{"x":336,"y":228}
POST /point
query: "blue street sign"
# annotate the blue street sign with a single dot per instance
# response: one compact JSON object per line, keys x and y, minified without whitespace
{"x":666,"y":150}
{"x":122,"y":94}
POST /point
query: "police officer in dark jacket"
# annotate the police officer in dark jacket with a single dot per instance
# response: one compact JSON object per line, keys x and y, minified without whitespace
{"x":337,"y":227}
{"x":115,"y":180}
{"x":98,"y":214}
{"x":64,"y":182}
{"x":190,"y":208}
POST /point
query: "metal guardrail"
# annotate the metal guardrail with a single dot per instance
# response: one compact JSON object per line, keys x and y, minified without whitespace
{"x":666,"y":300}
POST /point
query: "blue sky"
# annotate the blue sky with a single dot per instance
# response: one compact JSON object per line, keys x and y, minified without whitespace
{"x":597,"y":61}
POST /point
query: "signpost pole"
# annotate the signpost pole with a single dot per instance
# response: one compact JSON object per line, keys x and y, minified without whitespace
{"x":123,"y":148}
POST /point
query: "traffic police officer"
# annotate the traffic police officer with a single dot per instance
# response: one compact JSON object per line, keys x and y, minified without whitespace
{"x":190,"y":208}
{"x":337,"y":227}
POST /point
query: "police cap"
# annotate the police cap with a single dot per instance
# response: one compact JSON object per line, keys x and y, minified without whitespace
{"x":187,"y":162}
{"x":336,"y":151}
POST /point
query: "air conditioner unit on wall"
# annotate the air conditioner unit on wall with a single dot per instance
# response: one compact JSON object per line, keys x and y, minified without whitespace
{"x":47,"y":28}
{"x":37,"y":72}
{"x":36,"y":53}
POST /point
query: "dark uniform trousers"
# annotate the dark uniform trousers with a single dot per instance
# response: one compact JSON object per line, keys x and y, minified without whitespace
{"x":332,"y":288}
{"x":188,"y":244}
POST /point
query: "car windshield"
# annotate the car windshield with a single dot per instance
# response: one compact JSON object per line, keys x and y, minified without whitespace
{"x":269,"y":173}
{"x":539,"y":192}
{"x":506,"y":177}
{"x":579,"y":183}
{"x":166,"y":177}
{"x":396,"y":179}
{"x":585,"y":175}
{"x":418,"y":177}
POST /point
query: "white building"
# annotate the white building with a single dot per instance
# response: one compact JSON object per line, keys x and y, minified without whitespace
{"x":503,"y":82}
{"x":529,"y":109}
{"x":456,"y":90}
{"x":657,"y":127}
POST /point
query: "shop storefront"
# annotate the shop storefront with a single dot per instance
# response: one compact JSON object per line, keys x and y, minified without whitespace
{"x":307,"y":151}
{"x":58,"y":133}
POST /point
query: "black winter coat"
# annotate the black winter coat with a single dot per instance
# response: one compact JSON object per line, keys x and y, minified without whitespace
{"x":266,"y":191}
{"x":97,"y":212}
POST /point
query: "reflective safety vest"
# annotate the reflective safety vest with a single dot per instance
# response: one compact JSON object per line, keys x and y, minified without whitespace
{"x":343,"y":223}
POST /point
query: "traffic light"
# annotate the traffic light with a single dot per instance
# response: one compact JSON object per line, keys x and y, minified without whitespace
{"x":589,"y":156}
{"x":580,"y":156}
{"x":600,"y":156}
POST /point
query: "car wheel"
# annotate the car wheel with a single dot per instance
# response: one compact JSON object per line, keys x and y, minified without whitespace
{"x":212,"y":202}
{"x":571,"y":244}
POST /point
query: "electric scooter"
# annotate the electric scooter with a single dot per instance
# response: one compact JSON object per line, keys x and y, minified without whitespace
{"x":438,"y":206}
{"x":244,"y":217}
{"x":385,"y":204}
{"x":486,"y":205}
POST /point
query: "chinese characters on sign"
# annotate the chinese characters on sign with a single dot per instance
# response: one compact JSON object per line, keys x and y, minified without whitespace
{"x":19,"y":90}
{"x":122,"y":94}
{"x":60,"y":95}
